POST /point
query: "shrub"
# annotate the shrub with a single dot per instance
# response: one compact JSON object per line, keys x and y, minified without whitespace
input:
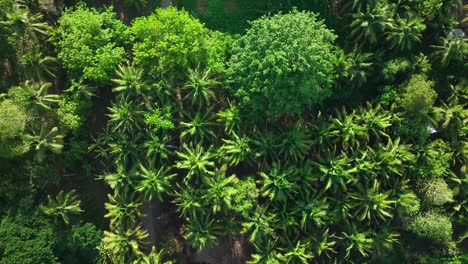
{"x":284,"y":63}
{"x":437,"y":192}
{"x":432,"y":226}
{"x":419,"y":96}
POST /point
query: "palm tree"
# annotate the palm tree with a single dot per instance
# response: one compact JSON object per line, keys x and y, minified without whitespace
{"x":311,"y":209}
{"x":202,"y":232}
{"x":126,"y":116}
{"x":229,"y":118}
{"x":154,"y":257}
{"x":24,"y":25}
{"x":383,"y":241}
{"x":38,"y":67}
{"x":336,"y":171}
{"x":198,"y":128}
{"x":237,"y":149}
{"x":63,"y":205}
{"x":154,"y":182}
{"x":259,"y":224}
{"x":298,"y":253}
{"x":126,"y":150}
{"x":266,"y":252}
{"x":196,"y":161}
{"x":295,"y":143}
{"x":285,"y":216}
{"x":369,"y":25}
{"x":129,"y":80}
{"x":375,"y":119}
{"x":391,"y":157}
{"x":218,"y":188}
{"x":357,"y":242}
{"x":406,"y":33}
{"x":120,"y":181}
{"x":199,"y":87}
{"x":451,"y":50}
{"x":124,"y":245}
{"x":137,"y":4}
{"x":279,"y":183}
{"x":371,"y":204}
{"x":323,"y":243}
{"x":158,"y":148}
{"x":35,"y":96}
{"x":124,"y":210}
{"x":347,"y":130}
{"x":46,"y":140}
{"x":188,"y":199}
{"x":267,"y":145}
{"x":358,"y":67}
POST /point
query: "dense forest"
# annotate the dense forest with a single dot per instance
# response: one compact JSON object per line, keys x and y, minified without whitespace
{"x":233,"y":131}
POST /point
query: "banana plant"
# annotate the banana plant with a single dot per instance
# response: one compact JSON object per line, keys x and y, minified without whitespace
{"x":62,"y":205}
{"x":46,"y":140}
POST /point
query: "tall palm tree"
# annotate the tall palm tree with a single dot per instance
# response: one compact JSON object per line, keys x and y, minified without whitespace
{"x":154,"y":257}
{"x":358,"y":67}
{"x":155,"y":182}
{"x":126,"y":150}
{"x":158,"y":148}
{"x":198,"y":128}
{"x":218,"y":188}
{"x":311,"y":208}
{"x":336,"y":171}
{"x":229,"y":118}
{"x":124,"y":210}
{"x":199,"y":87}
{"x":279,"y":183}
{"x":298,"y":253}
{"x":46,"y":140}
{"x":322,"y":242}
{"x":371,"y":204}
{"x":126,"y":116}
{"x":129,"y":80}
{"x":24,"y":25}
{"x":202,"y":231}
{"x":63,"y":205}
{"x":259,"y":224}
{"x":266,"y":252}
{"x":196,"y":161}
{"x":295,"y":143}
{"x":237,"y":149}
{"x":406,"y":33}
{"x":124,"y":245}
{"x":451,"y":50}
{"x":347,"y":129}
{"x":188,"y":199}
{"x":369,"y":25}
{"x":357,"y":242}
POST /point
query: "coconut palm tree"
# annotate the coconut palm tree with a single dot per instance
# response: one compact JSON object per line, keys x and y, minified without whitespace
{"x":126,"y":116}
{"x":237,"y":149}
{"x":357,"y":242}
{"x":298,"y":252}
{"x":124,"y":245}
{"x":198,"y":127}
{"x":279,"y":183}
{"x":259,"y":224}
{"x":196,"y":161}
{"x":295,"y":143}
{"x":63,"y":205}
{"x":405,"y":33}
{"x":372,"y":204}
{"x":46,"y":140}
{"x":369,"y":24}
{"x":311,"y":209}
{"x":129,"y":80}
{"x":202,"y":232}
{"x":199,"y":87}
{"x":188,"y":199}
{"x":155,"y":182}
{"x":218,"y":188}
{"x":357,"y":68}
{"x":451,"y":50}
{"x":124,"y":210}
{"x":266,"y":252}
{"x":158,"y":148}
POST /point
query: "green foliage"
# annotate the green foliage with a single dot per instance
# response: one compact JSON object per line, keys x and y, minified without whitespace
{"x":13,"y":119}
{"x":160,"y":119}
{"x":170,"y":41}
{"x":436,"y":192}
{"x":90,"y":43}
{"x":63,"y":205}
{"x":284,"y":63}
{"x":27,"y":237}
{"x":419,"y":95}
{"x":84,"y":241}
{"x":432,"y":226}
